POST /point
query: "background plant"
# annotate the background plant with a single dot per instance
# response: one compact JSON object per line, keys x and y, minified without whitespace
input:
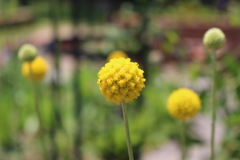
{"x":170,"y":65}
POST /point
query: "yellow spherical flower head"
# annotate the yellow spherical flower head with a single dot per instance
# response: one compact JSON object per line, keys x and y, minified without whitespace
{"x":116,"y":54}
{"x":183,"y":104}
{"x":214,"y":38}
{"x":121,"y":79}
{"x":39,"y":68}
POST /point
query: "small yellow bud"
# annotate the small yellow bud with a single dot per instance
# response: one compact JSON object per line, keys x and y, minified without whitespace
{"x":214,"y":38}
{"x":27,"y":53}
{"x":116,"y":54}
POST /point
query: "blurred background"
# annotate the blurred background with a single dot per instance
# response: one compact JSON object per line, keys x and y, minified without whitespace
{"x":76,"y":37}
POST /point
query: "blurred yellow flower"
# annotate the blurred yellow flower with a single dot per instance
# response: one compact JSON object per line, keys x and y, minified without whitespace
{"x":116,"y":54}
{"x":39,"y":68}
{"x":121,"y":79}
{"x":183,"y":104}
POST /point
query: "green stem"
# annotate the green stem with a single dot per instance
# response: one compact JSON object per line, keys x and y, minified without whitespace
{"x":213,"y":104}
{"x":34,"y":87}
{"x":128,"y":138}
{"x":183,"y":140}
{"x":53,"y":7}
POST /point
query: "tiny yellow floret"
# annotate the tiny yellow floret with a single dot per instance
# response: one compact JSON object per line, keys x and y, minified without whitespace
{"x":27,"y":53}
{"x":116,"y":54}
{"x":39,"y":68}
{"x":214,"y":39}
{"x":121,"y":79}
{"x":183,"y":104}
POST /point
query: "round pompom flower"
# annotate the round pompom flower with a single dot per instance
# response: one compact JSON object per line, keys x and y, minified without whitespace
{"x":39,"y":68}
{"x":27,"y":52}
{"x":183,"y":104}
{"x":214,"y":38}
{"x":116,"y":54}
{"x":121,"y":79}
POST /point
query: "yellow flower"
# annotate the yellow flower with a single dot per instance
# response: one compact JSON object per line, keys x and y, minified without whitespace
{"x":121,"y":79}
{"x":214,"y":38}
{"x":116,"y":54}
{"x":39,"y":68}
{"x":27,"y":52}
{"x":183,"y":104}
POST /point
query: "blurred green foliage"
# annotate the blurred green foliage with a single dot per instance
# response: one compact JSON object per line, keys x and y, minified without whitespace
{"x":102,"y":129}
{"x":97,"y":122}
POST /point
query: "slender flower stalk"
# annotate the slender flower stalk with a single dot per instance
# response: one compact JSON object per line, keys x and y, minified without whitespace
{"x":120,"y":81}
{"x":183,"y":104}
{"x":213,"y":39}
{"x":34,"y":68}
{"x":183,"y":139}
{"x":128,"y":138}
{"x":213,"y":56}
{"x":41,"y":128}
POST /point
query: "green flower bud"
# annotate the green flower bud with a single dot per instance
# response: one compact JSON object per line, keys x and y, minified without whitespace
{"x":27,"y":52}
{"x":214,"y":38}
